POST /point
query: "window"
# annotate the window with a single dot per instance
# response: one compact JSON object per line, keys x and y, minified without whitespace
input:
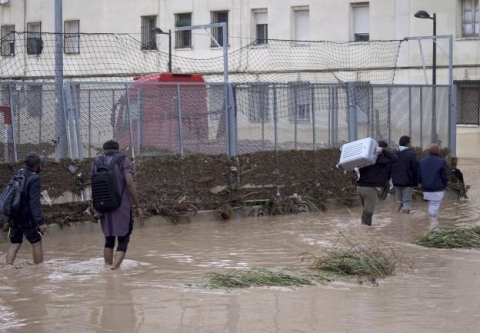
{"x":302,"y":25}
{"x":217,"y":33}
{"x":149,"y":41}
{"x":468,"y":102}
{"x":361,"y":23}
{"x":259,"y":103}
{"x":470,"y":18}
{"x":183,"y":39}
{"x":34,"y":100}
{"x":300,"y":101}
{"x":261,"y":28}
{"x":34,"y":38}
{"x":8,"y":40}
{"x":72,"y":37}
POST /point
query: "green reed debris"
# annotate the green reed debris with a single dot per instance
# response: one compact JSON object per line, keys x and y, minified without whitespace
{"x":261,"y":277}
{"x":370,"y":262}
{"x":455,"y":237}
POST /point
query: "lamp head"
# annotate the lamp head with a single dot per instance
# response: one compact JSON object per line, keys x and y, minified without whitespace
{"x":422,"y":14}
{"x":156,"y":30}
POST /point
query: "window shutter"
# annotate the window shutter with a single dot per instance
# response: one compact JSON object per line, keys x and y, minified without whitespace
{"x":301,"y":25}
{"x":261,"y":18}
{"x":361,"y":20}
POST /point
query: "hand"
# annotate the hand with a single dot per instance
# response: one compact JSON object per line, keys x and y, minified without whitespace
{"x":43,"y":228}
{"x":379,"y":150}
{"x":140,"y":212}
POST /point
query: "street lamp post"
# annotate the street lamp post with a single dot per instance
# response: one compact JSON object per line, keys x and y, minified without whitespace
{"x":424,"y":15}
{"x":169,"y":33}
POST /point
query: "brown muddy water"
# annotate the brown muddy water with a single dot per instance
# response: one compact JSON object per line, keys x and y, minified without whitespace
{"x":158,"y":288}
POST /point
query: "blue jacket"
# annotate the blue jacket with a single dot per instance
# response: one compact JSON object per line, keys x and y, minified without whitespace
{"x":30,"y":206}
{"x":404,"y":171}
{"x":433,"y":173}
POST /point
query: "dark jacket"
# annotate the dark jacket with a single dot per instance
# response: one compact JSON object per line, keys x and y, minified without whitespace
{"x":405,"y":170}
{"x":30,"y":207}
{"x":377,"y":175}
{"x":433,"y":173}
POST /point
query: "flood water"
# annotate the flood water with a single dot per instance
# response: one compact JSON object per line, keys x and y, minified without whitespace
{"x":158,"y":288}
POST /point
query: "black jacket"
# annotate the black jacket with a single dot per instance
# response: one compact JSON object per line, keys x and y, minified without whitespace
{"x":433,"y":173}
{"x":30,"y":207}
{"x":404,"y":171}
{"x":377,"y":175}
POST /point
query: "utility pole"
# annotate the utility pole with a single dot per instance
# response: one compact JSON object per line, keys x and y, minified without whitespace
{"x":60,"y":139}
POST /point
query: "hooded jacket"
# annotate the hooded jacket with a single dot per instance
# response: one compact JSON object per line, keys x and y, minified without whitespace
{"x":404,"y":171}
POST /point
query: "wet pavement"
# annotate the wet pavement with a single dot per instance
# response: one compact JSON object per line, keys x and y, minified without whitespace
{"x":158,"y":288}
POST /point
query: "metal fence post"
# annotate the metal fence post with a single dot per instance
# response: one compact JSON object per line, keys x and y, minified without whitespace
{"x":434,"y":114}
{"x":330,"y":118}
{"x":127,"y":87}
{"x":314,"y":133}
{"x":410,"y":111}
{"x":335,"y":115}
{"x":262,"y":111}
{"x":12,"y":125}
{"x":90,"y":123}
{"x":179,"y":110}
{"x":452,"y":127}
{"x":295,"y":115}
{"x":389,"y":115}
{"x":76,"y":121}
{"x":421,"y":117}
{"x":70,"y":121}
{"x":231,"y":121}
{"x":371,"y":112}
{"x":352,"y":112}
{"x":275,"y":116}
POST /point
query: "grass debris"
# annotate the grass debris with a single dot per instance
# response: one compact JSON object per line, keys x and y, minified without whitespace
{"x":370,"y":262}
{"x":448,"y":238}
{"x":237,"y":278}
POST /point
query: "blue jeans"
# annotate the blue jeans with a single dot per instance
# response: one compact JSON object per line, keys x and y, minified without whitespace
{"x":404,"y":196}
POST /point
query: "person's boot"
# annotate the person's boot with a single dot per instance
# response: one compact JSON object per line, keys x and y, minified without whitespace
{"x":367,"y":218}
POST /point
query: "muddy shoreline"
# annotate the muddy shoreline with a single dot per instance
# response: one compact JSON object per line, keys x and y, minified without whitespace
{"x":172,"y":186}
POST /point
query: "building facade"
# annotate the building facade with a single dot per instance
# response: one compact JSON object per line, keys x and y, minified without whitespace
{"x":258,"y":21}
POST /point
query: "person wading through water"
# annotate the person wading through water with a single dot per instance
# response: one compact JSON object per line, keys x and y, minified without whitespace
{"x":118,"y":224}
{"x":29,"y":220}
{"x":372,"y":177}
{"x":404,"y":175}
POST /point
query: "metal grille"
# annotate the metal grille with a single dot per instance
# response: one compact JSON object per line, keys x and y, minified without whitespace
{"x":468,"y":102}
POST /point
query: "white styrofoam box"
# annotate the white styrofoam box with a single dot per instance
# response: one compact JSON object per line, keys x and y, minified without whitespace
{"x":358,"y":153}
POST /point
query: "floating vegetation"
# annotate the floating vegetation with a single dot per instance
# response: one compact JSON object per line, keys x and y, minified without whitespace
{"x":261,"y":277}
{"x":357,"y":254}
{"x":369,"y":262}
{"x":448,"y":238}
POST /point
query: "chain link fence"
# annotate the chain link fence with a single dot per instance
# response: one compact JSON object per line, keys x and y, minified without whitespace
{"x":301,"y":115}
{"x":192,"y":118}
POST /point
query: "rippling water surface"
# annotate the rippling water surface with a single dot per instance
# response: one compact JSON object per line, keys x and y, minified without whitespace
{"x":159,"y":288}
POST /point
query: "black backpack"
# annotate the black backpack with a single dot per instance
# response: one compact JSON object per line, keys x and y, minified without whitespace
{"x":105,"y":194}
{"x":12,"y":193}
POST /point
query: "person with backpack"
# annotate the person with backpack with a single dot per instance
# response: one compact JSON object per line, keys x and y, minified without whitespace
{"x":113,"y":191}
{"x":404,"y":174}
{"x":26,"y":219}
